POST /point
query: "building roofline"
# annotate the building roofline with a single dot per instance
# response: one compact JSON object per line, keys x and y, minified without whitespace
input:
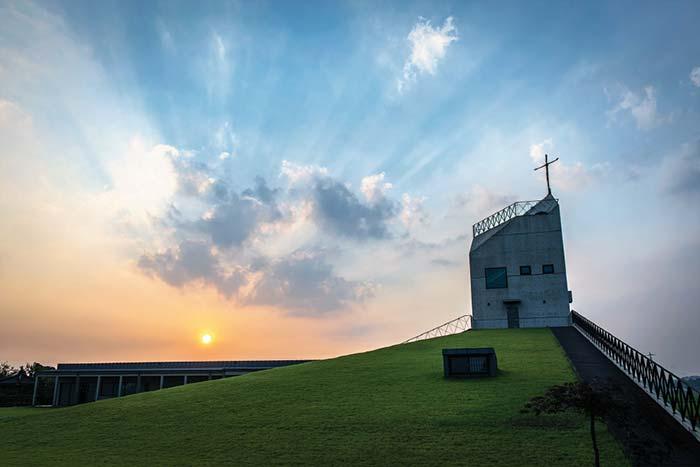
{"x":171,"y":366}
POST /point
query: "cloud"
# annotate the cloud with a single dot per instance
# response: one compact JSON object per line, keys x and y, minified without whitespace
{"x":681,"y":171}
{"x":642,"y":108}
{"x":262,"y":192}
{"x":445,"y":263}
{"x":11,"y":114}
{"x":374,"y":187}
{"x":695,"y":76}
{"x":233,"y":218}
{"x":225,"y":140}
{"x":22,"y":170}
{"x":428,"y":46}
{"x":224,"y":248}
{"x":305,"y":283}
{"x":566,"y":177}
{"x":413,"y":212}
{"x":436,"y":252}
{"x":301,"y":174}
{"x":233,"y":221}
{"x":478,"y":203}
{"x":190,"y":262}
{"x":255,"y":246}
{"x":142,"y":180}
{"x":577,"y":176}
{"x":538,"y":150}
{"x":166,"y":39}
{"x":194,"y":177}
{"x":219,"y":49}
{"x":336,"y":209}
{"x":339,"y":211}
{"x":218,"y":68}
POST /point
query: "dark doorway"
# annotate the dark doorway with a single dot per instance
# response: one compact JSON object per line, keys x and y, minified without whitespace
{"x":513,"y":315}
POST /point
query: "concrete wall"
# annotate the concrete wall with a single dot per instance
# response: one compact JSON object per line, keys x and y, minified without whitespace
{"x":531,"y":240}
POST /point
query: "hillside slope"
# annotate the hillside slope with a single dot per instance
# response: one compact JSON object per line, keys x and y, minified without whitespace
{"x":388,"y":406}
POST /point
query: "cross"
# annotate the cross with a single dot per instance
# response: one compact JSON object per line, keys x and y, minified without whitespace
{"x":546,"y":165}
{"x":651,"y":355}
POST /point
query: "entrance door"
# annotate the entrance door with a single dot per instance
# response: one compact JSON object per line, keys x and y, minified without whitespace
{"x":513,"y":316}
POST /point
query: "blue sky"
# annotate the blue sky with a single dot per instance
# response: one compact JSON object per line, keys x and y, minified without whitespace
{"x":317,"y":166}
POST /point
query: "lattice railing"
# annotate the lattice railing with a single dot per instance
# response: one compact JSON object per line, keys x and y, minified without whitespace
{"x":666,"y":386}
{"x":457,"y":325}
{"x":518,"y":208}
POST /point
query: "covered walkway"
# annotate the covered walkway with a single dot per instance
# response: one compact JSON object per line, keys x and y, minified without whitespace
{"x":77,"y":383}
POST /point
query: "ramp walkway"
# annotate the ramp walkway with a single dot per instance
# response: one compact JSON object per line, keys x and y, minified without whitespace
{"x":644,"y":418}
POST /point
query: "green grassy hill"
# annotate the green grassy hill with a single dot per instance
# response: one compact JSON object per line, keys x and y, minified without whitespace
{"x":390,"y":406}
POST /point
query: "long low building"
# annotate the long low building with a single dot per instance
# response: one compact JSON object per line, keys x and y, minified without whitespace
{"x":77,"y":383}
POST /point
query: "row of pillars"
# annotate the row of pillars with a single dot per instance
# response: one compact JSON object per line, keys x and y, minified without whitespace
{"x":56,"y":386}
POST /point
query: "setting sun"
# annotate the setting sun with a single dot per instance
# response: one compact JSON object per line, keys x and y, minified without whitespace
{"x":206,"y":339}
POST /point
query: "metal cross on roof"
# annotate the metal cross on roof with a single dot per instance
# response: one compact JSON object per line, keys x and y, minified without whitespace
{"x":546,"y":165}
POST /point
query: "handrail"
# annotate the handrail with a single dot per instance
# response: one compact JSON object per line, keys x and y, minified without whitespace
{"x":460,"y":324}
{"x":666,"y":386}
{"x":518,"y":208}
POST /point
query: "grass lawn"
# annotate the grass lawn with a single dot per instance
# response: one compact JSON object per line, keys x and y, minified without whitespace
{"x":9,"y":413}
{"x":390,"y":406}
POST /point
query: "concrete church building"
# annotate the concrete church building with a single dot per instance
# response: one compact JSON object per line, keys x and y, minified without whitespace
{"x":517,"y":267}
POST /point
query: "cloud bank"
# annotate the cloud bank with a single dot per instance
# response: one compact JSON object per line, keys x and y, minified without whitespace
{"x":216,"y":236}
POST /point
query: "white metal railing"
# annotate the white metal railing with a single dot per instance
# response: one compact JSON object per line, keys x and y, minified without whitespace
{"x":518,"y":208}
{"x":457,"y":325}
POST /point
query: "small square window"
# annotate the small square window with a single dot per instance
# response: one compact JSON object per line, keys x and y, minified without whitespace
{"x":525,"y":270}
{"x":496,"y":278}
{"x":547,"y":269}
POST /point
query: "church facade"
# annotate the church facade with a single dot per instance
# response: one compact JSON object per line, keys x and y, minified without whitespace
{"x":517,"y":268}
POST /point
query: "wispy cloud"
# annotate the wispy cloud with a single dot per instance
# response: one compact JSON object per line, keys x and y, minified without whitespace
{"x":538,"y":150}
{"x":428,"y":46}
{"x":695,"y":76}
{"x":478,"y":203}
{"x":640,"y":106}
{"x":166,"y":38}
{"x":219,"y":68}
{"x":413,"y":212}
{"x":567,"y":177}
{"x":225,"y":140}
{"x":681,"y":170}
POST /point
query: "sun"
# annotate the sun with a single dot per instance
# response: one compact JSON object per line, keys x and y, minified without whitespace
{"x":206,"y":339}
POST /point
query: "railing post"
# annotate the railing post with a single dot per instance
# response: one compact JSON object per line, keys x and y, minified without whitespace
{"x":56,"y":390}
{"x":36,"y":387}
{"x":97,"y":389}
